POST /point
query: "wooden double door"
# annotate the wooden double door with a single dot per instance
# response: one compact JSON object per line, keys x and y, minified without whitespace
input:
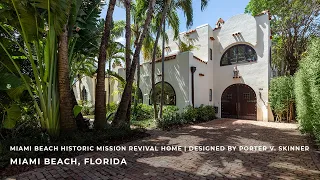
{"x":239,"y":101}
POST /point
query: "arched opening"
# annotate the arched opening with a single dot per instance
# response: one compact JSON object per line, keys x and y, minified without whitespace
{"x":238,"y":54}
{"x":84,"y":94}
{"x":239,"y":101}
{"x":140,"y":96}
{"x":169,"y":94}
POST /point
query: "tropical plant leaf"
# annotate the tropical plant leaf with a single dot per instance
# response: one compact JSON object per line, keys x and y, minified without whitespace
{"x":8,"y":81}
{"x":13,"y":115}
{"x":76,"y":110}
{"x":15,"y":93}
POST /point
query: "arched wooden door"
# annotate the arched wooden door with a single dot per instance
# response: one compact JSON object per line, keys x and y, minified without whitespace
{"x":239,"y":101}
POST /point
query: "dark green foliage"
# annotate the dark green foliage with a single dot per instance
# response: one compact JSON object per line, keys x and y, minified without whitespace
{"x":281,"y":96}
{"x":170,"y":110}
{"x":307,"y":90}
{"x":143,"y":112}
{"x":189,"y":115}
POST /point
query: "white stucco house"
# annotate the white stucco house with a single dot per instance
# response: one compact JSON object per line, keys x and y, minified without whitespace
{"x":230,"y":68}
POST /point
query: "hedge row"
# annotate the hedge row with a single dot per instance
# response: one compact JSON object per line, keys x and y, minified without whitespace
{"x":307,"y":90}
{"x":282,"y":97}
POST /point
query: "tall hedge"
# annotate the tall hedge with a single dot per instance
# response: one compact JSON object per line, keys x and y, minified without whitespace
{"x":281,"y":96}
{"x":307,"y":90}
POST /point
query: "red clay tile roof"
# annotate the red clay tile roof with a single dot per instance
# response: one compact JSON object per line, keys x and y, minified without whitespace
{"x":191,"y":31}
{"x":200,"y":59}
{"x":171,"y":57}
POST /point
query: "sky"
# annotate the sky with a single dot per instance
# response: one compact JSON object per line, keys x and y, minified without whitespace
{"x":216,"y":9}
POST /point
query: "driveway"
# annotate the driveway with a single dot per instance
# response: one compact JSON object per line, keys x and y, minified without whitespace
{"x":254,"y":164}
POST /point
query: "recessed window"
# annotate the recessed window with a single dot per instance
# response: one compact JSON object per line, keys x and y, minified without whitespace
{"x":210,"y":54}
{"x":84,"y":94}
{"x":169,"y":94}
{"x":140,"y":97}
{"x":210,"y":95}
{"x":238,"y":54}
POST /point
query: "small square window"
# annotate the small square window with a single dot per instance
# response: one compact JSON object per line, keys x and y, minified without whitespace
{"x":246,"y":96}
{"x":229,"y":96}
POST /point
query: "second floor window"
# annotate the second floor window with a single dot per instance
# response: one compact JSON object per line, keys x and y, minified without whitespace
{"x":238,"y":54}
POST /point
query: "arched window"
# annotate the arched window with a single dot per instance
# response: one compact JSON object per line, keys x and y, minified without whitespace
{"x":169,"y":94}
{"x":84,"y":94}
{"x":140,"y":96}
{"x":238,"y":54}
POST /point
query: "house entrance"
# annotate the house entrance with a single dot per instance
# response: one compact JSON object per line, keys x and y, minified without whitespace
{"x":239,"y":101}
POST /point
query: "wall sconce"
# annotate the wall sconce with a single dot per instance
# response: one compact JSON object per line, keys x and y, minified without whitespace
{"x":236,"y":72}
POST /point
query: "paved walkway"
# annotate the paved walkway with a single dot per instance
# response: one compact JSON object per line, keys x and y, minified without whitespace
{"x":202,"y":165}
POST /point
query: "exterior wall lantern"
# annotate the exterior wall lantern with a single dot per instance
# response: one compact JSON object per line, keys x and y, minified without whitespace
{"x":236,"y":72}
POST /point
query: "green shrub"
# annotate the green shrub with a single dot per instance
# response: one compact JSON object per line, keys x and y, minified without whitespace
{"x":111,"y":107}
{"x":87,"y":108}
{"x":143,"y":112}
{"x":189,"y":115}
{"x":170,"y":110}
{"x":281,"y":96}
{"x":170,"y":121}
{"x":307,"y":87}
{"x":205,"y":113}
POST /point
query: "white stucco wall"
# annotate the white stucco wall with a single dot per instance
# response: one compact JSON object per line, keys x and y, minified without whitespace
{"x":90,"y":84}
{"x":254,"y":31}
{"x":255,"y":74}
{"x":176,"y":74}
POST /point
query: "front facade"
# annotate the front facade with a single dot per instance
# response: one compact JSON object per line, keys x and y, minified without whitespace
{"x":229,"y":68}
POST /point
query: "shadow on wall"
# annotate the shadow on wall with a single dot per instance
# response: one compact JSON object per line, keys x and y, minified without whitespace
{"x":175,"y":72}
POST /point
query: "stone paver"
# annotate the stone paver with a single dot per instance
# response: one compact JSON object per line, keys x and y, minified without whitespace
{"x":202,"y":165}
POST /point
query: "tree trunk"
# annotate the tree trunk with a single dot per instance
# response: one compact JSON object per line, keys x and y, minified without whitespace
{"x":153,"y":68}
{"x":128,"y":37}
{"x":67,"y":120}
{"x":162,"y":68}
{"x":100,"y":99}
{"x":109,"y":86}
{"x":128,"y":50}
{"x":80,"y":93}
{"x":136,"y":99}
{"x":120,"y":116}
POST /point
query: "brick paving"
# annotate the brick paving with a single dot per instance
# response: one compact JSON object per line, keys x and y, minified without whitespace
{"x":202,"y":165}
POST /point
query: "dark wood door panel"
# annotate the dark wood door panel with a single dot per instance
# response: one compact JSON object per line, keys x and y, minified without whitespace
{"x":239,"y":101}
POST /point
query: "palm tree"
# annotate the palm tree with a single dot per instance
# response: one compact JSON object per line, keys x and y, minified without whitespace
{"x":114,"y":56}
{"x":100,"y":104}
{"x":67,"y":120}
{"x":82,"y":66}
{"x":186,"y":7}
{"x":173,"y":20}
{"x":85,"y":29}
{"x":122,"y":112}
